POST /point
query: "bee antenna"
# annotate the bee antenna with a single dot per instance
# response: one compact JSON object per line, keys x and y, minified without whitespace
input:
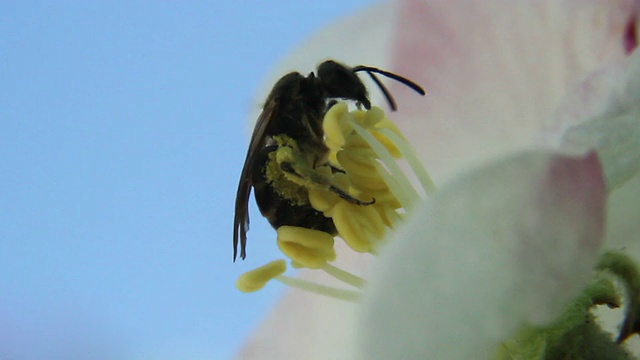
{"x":385,"y":91}
{"x":415,"y":87}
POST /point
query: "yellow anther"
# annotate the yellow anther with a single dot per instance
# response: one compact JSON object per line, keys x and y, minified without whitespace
{"x":388,"y":215}
{"x":386,"y":123}
{"x":355,"y":141}
{"x":335,"y":125}
{"x":333,"y":159}
{"x":360,"y":162}
{"x":322,"y":200}
{"x":367,"y":182}
{"x":385,"y":197}
{"x":332,"y":145}
{"x":373,"y":117}
{"x":350,"y":227}
{"x":341,"y":181}
{"x":357,"y":115}
{"x":309,"y":258}
{"x":309,"y":238}
{"x":390,"y":145}
{"x":310,"y":248}
{"x":370,"y":220}
{"x":256,"y":279}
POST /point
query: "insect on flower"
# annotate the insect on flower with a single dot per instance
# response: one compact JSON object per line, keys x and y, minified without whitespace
{"x":287,"y":155}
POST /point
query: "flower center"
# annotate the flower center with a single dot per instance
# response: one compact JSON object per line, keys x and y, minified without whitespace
{"x":362,"y":187}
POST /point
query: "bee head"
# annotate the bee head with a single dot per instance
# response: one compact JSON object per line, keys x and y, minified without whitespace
{"x":340,"y":81}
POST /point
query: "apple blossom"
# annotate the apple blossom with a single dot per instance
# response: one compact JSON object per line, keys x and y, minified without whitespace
{"x":513,"y":240}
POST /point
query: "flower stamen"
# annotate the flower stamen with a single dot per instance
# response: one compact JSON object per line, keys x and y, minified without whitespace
{"x":307,"y":247}
{"x":361,"y":187}
{"x":412,"y":158}
{"x":256,"y":279}
{"x":344,"y":276}
{"x":340,"y":294}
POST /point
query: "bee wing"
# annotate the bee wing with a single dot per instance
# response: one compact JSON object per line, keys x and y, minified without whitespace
{"x":241,"y":217}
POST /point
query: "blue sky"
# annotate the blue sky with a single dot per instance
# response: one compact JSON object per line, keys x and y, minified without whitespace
{"x":124,"y":129}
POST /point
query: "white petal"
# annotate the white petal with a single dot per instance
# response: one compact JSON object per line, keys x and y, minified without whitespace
{"x":615,"y":132}
{"x":309,"y":326}
{"x":299,"y":328}
{"x":623,"y":223}
{"x":508,"y":243}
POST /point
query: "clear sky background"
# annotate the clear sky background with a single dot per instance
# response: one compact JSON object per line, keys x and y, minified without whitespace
{"x":123,"y":133}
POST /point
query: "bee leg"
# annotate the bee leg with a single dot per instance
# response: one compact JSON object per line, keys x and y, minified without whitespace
{"x":336,"y":170}
{"x":321,"y":181}
{"x":309,"y":176}
{"x":350,"y":198}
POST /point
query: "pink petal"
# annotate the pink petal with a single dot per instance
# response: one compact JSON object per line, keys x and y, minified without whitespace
{"x":508,"y":243}
{"x":496,"y":71}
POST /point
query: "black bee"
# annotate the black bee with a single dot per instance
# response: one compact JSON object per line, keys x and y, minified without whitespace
{"x":294,"y":110}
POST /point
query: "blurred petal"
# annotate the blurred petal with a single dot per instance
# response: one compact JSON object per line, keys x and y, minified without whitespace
{"x":615,"y":132}
{"x":623,"y":228}
{"x":308,"y":326}
{"x":496,"y":71}
{"x":295,"y":330}
{"x":508,"y":243}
